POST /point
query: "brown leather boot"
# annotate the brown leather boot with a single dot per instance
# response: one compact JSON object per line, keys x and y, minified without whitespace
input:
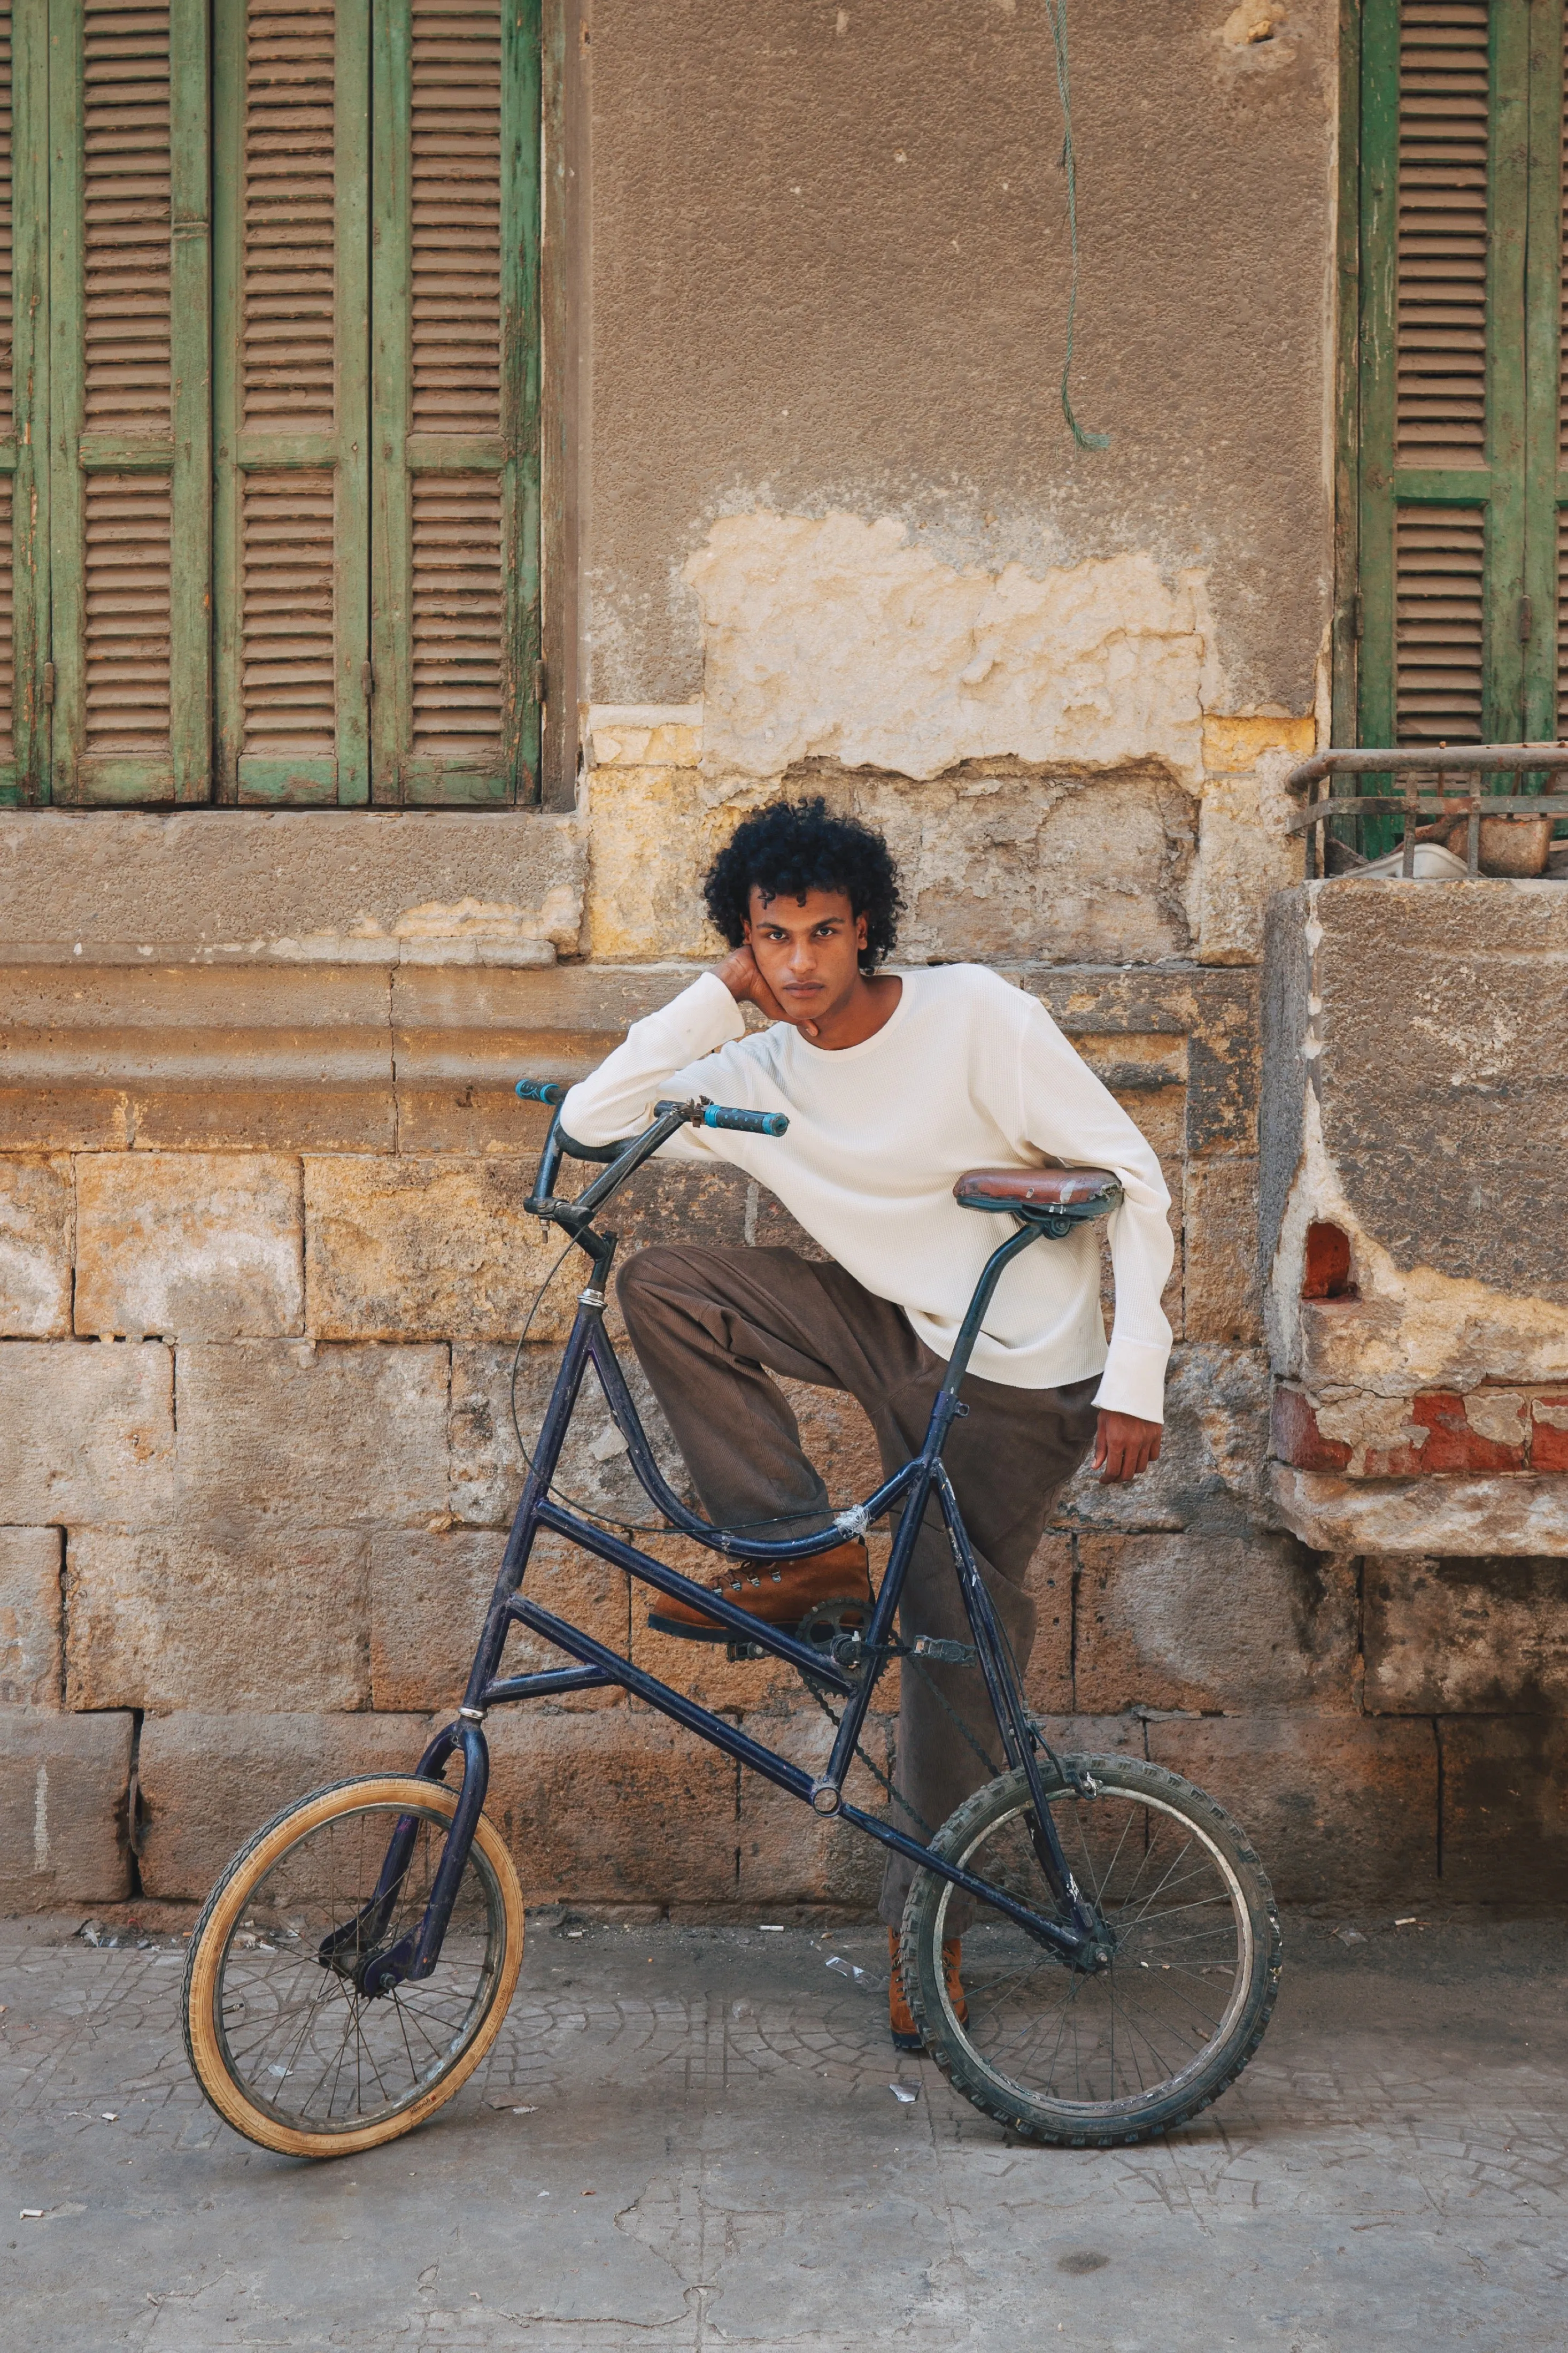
{"x":901,"y":2016}
{"x":778,"y":1592}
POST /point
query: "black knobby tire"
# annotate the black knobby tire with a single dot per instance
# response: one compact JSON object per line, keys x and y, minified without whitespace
{"x":1105,"y":2060}
{"x":284,"y":2047}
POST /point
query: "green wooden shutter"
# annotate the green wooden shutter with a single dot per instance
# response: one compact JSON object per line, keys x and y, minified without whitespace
{"x":455,"y":526}
{"x":130,"y":461}
{"x":1461,"y":237}
{"x":9,"y":790}
{"x":291,"y":102}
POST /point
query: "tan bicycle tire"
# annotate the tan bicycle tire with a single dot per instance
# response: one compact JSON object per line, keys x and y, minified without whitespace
{"x":224,"y":1908}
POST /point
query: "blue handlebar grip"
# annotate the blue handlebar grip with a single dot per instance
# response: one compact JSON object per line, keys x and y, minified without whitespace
{"x":751,"y":1123}
{"x":544,"y":1090}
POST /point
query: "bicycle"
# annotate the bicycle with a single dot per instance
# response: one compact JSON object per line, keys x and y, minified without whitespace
{"x":354,"y":1962}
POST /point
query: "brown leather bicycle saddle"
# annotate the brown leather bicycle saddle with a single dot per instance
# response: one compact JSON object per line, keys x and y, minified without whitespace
{"x":1075,"y":1193}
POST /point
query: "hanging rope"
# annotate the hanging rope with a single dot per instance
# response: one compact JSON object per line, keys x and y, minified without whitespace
{"x":1056,"y":17}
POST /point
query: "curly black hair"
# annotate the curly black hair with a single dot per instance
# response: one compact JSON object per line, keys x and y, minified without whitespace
{"x":792,"y":846}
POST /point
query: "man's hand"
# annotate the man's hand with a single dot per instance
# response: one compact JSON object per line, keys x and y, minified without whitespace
{"x":745,"y":984}
{"x":1124,"y":1446}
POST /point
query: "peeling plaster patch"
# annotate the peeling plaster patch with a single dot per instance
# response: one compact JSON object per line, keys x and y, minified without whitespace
{"x":997,"y":859}
{"x":1420,"y":1329}
{"x":834,"y":638}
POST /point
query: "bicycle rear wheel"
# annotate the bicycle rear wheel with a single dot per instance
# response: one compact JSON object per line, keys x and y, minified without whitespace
{"x":1103,"y":2060}
{"x":282,"y":2043}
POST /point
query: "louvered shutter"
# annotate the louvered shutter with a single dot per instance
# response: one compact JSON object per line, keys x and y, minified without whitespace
{"x":1461,"y":227}
{"x":292,"y":104}
{"x":130,"y":503}
{"x":454,"y":536}
{"x":8,"y":764}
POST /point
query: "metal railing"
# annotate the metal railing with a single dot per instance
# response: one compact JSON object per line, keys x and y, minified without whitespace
{"x":1416,"y":802}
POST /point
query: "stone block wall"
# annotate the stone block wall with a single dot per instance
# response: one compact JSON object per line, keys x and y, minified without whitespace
{"x":260,"y":1304}
{"x":263,"y":1269}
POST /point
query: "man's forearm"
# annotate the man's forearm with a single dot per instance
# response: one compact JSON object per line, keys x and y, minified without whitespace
{"x":614,"y":1100}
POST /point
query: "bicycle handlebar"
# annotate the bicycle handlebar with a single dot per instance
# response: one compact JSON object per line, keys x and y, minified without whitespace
{"x":700,"y":1114}
{"x":750,"y":1123}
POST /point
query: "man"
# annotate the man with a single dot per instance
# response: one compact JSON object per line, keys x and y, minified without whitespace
{"x":894,"y":1085}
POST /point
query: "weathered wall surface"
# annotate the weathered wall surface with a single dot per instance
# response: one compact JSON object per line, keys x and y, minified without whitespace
{"x":1414,"y":1108}
{"x":861,"y":304}
{"x":263,"y":1259}
{"x":259,"y":1305}
{"x":834,"y":515}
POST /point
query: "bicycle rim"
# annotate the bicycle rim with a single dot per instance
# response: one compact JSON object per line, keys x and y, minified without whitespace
{"x":1157,"y":2034}
{"x":283,"y":2043}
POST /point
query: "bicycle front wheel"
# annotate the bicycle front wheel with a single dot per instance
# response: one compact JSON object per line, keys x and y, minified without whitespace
{"x":283,"y":2044}
{"x":1101,"y":2059}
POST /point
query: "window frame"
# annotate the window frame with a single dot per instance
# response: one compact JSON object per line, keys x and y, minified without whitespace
{"x":1523,"y":501}
{"x":48,"y":455}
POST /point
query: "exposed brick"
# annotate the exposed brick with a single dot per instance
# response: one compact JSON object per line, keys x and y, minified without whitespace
{"x":1505,"y":1810}
{"x":1220,"y":1292}
{"x":202,"y":1246}
{"x":620,"y":1806}
{"x":89,"y":1433}
{"x":1466,"y":1636}
{"x":64,"y":1781}
{"x":232,"y":1617}
{"x":1244,"y":1622}
{"x":36,"y":1220}
{"x":1549,"y":1433}
{"x":1340,"y":1808}
{"x":1456,"y":1443}
{"x":30,"y":1629}
{"x":286,"y":1431}
{"x":428,"y":1595}
{"x":1295,"y":1435}
{"x":207,"y":1782}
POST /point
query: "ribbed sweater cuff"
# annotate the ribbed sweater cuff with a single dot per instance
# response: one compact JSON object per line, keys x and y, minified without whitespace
{"x":701,"y":1018}
{"x":1133,"y":1380}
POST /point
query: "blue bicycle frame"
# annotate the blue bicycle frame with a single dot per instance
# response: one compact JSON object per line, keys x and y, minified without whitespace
{"x":1075,"y":1931}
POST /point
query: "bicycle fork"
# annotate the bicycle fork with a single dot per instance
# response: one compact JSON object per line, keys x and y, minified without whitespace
{"x":414,"y":1955}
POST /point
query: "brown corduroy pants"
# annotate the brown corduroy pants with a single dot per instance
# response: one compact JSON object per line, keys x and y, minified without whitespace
{"x":709,"y":1325}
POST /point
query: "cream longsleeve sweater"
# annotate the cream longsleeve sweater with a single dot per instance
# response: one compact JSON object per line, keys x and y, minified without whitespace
{"x":968,"y":1072}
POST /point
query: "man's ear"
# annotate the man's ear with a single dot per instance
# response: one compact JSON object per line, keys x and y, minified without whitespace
{"x":860,"y":932}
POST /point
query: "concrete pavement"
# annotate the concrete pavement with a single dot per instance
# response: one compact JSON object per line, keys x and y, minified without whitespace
{"x":686,"y":2137}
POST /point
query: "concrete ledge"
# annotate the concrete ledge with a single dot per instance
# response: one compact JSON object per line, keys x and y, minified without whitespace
{"x":341,"y":886}
{"x":1513,"y":1513}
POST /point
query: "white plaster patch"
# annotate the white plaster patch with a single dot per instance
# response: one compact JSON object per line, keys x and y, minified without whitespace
{"x":836,"y":638}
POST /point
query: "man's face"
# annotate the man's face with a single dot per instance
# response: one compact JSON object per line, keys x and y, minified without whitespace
{"x":807,"y":950}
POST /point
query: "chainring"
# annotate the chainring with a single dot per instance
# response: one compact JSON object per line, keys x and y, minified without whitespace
{"x":836,"y":1631}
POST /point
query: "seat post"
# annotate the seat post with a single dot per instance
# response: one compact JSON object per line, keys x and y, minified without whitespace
{"x":969,"y":1330}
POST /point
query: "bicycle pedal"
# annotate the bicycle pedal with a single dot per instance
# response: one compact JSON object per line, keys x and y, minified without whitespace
{"x":946,"y":1654}
{"x":739,"y":1650}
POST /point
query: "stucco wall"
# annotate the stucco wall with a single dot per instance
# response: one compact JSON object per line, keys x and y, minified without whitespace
{"x":830,"y":275}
